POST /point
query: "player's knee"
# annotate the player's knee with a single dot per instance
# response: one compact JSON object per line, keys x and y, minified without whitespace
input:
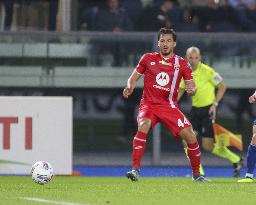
{"x":190,"y":138}
{"x":196,"y":133}
{"x":144,"y":125}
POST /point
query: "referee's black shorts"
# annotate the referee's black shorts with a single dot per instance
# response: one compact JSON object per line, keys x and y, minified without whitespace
{"x":201,"y":121}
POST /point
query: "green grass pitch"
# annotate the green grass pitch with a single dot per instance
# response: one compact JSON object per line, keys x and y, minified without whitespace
{"x":21,"y":190}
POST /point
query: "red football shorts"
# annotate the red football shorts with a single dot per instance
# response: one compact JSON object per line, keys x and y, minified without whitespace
{"x":172,"y":118}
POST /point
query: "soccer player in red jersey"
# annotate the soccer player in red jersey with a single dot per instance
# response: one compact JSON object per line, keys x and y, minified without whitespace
{"x":162,"y":74}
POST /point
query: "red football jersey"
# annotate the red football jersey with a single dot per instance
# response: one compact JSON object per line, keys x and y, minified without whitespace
{"x":162,"y":77}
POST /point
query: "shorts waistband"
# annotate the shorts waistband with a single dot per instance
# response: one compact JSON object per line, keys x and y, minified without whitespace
{"x":198,"y":108}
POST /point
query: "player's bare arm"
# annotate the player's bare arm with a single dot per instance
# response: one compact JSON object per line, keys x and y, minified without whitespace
{"x":190,"y":87}
{"x":252,"y":99}
{"x":131,"y":83}
{"x":221,"y":89}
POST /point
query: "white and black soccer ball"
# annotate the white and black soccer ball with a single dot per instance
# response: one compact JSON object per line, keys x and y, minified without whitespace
{"x":42,"y":172}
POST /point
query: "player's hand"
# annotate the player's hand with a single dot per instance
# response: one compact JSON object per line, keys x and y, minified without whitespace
{"x":190,"y":87}
{"x":127,"y":92}
{"x":212,"y":112}
{"x":191,"y":90}
{"x":252,"y":99}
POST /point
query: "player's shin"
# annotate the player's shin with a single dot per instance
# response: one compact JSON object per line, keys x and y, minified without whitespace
{"x":201,"y":169}
{"x":194,"y":156}
{"x":139,"y":146}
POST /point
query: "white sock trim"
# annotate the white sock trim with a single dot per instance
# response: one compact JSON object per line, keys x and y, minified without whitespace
{"x":142,"y":140}
{"x":194,"y":148}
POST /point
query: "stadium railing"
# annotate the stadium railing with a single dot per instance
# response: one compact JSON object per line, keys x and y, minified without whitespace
{"x":96,"y":59}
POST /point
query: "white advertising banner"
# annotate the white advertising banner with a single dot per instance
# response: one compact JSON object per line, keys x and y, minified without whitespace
{"x":35,"y":129}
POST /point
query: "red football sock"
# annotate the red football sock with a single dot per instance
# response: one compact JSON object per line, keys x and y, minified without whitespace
{"x":194,"y":155}
{"x":139,"y":146}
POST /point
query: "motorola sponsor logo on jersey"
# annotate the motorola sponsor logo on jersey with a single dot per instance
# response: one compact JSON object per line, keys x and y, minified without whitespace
{"x":162,"y":79}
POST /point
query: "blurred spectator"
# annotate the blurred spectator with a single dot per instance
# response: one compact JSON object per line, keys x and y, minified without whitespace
{"x":53,"y":10}
{"x":133,"y":8}
{"x":32,"y":15}
{"x":187,"y":23}
{"x":113,"y":18}
{"x":91,"y":3}
{"x":8,"y":7}
{"x":244,"y":13}
{"x":88,"y":18}
{"x":214,"y":18}
{"x":199,"y":3}
{"x":157,"y":17}
{"x":146,"y":3}
{"x":88,"y":12}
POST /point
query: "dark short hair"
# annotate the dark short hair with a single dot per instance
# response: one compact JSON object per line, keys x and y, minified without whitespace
{"x":167,"y":31}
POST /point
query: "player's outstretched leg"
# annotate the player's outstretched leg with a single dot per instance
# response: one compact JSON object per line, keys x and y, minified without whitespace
{"x":139,"y":146}
{"x":194,"y":153}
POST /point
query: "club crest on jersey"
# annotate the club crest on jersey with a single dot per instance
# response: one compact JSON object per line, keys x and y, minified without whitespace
{"x":162,"y":79}
{"x":165,"y":63}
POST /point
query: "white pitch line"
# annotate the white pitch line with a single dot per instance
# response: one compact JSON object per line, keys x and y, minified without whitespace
{"x":50,"y":201}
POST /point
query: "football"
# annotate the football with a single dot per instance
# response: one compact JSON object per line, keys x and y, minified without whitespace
{"x":42,"y":172}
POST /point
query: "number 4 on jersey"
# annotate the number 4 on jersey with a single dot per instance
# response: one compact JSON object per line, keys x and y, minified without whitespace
{"x":181,"y":123}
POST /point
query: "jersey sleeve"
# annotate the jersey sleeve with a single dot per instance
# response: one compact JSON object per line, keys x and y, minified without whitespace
{"x":141,"y":67}
{"x":187,"y":71}
{"x":215,"y":77}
